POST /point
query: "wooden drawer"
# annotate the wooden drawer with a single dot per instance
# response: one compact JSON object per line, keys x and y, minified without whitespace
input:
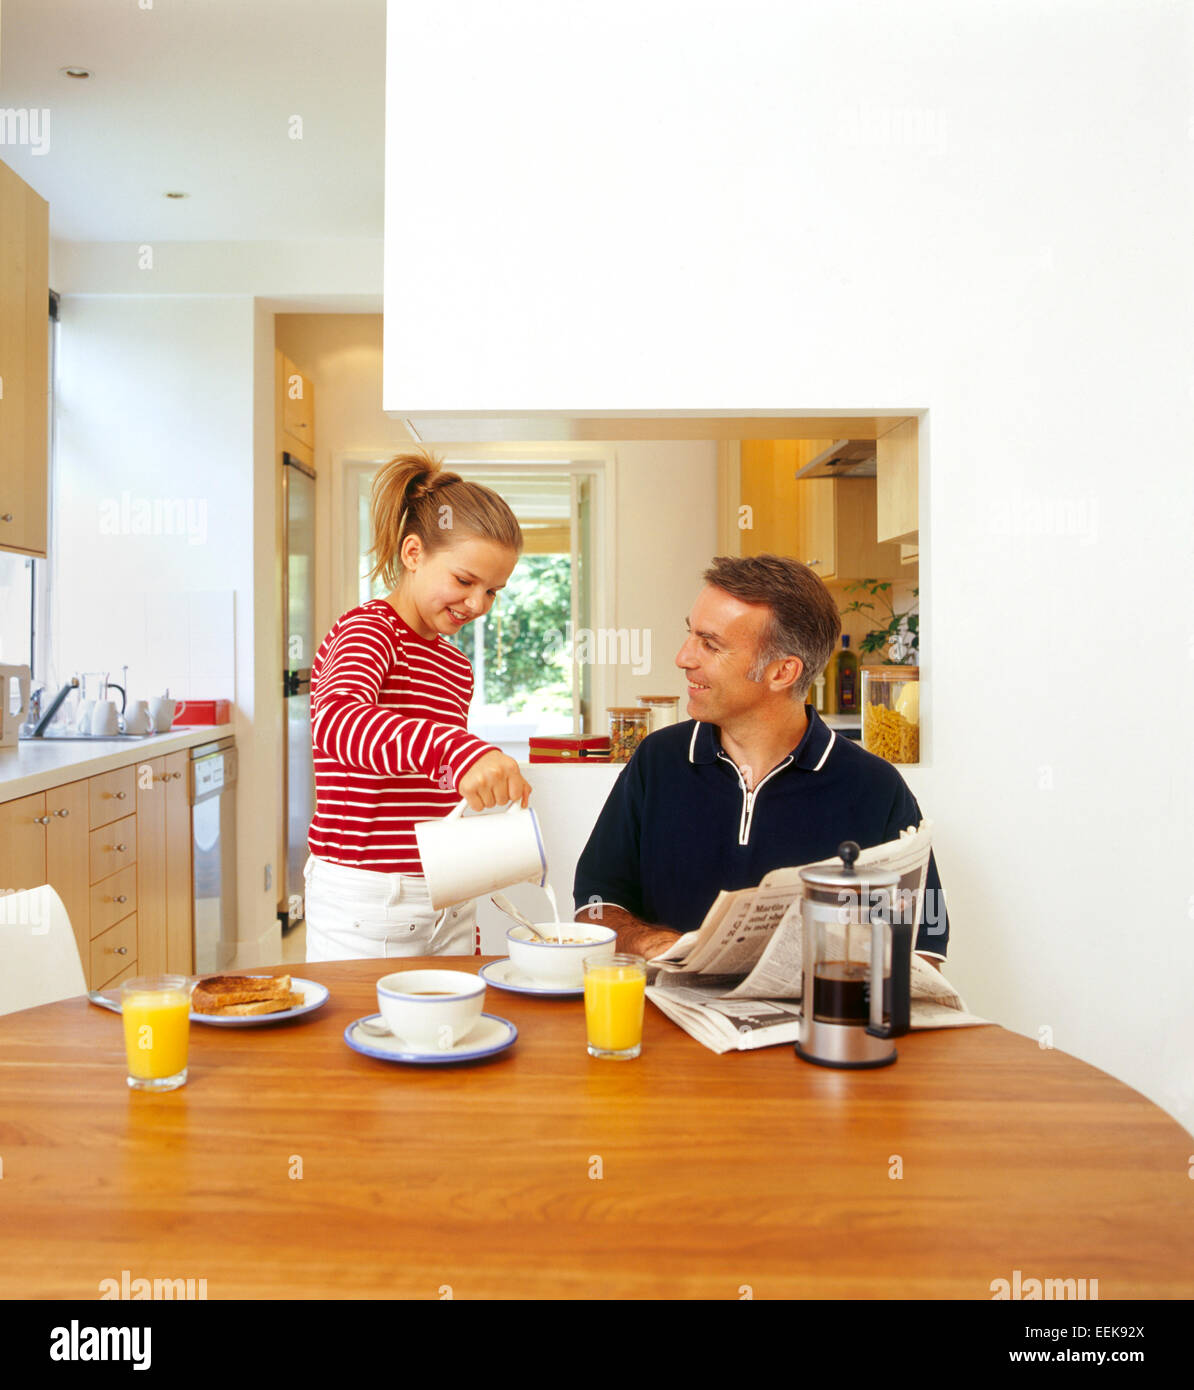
{"x":113,"y":985}
{"x":112,"y":795}
{"x":114,"y":898}
{"x":113,"y":951}
{"x":113,"y":847}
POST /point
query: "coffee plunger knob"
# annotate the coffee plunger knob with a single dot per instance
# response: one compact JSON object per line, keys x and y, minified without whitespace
{"x":848,"y":852}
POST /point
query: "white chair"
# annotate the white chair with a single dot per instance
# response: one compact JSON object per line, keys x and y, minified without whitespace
{"x":39,"y":960}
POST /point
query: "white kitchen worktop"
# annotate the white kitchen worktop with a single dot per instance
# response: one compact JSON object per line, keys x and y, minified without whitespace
{"x":35,"y":765}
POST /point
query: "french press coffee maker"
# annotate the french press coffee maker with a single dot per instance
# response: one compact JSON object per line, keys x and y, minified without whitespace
{"x":857,"y":965}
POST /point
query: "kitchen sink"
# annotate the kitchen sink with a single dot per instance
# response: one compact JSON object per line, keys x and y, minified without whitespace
{"x":86,"y":738}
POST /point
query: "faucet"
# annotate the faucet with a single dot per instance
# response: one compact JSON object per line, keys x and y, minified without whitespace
{"x":43,"y":723}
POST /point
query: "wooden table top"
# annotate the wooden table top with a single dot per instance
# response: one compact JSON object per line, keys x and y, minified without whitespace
{"x":544,"y":1173}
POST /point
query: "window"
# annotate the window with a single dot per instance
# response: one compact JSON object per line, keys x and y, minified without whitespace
{"x":24,"y":597}
{"x":16,"y":610}
{"x":525,"y":680}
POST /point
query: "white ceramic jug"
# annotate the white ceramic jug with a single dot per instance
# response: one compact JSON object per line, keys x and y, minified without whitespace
{"x":466,"y":857}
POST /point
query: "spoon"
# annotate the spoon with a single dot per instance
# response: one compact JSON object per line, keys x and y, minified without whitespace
{"x":379,"y":1030}
{"x":510,"y":910}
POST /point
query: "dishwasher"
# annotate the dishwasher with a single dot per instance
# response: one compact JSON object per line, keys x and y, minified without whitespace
{"x":213,"y":852}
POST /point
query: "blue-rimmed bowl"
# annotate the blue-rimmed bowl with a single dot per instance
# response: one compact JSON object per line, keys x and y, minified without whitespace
{"x":552,"y":963}
{"x":431,"y":1008}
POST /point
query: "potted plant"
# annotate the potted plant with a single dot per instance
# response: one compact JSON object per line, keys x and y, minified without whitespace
{"x":897,"y":642}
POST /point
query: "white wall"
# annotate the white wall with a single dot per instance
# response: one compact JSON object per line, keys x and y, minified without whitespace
{"x":975,"y":211}
{"x":158,"y":421}
{"x":665,"y":493}
{"x":666,"y":536}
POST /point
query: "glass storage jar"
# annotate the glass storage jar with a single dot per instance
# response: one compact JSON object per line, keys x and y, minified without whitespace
{"x":665,"y":709}
{"x":891,"y":712}
{"x":628,"y":726}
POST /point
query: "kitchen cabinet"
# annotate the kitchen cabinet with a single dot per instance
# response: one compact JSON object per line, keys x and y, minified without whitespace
{"x":68,"y":836}
{"x":298,"y":407}
{"x":828,"y":523}
{"x":164,"y":892}
{"x":117,"y":849}
{"x":898,"y":480}
{"x":24,"y":365}
{"x":44,"y":839}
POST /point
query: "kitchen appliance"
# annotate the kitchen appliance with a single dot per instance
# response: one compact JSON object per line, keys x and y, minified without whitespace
{"x":843,"y":458}
{"x":213,"y":769}
{"x":298,"y":651}
{"x":856,"y":984}
{"x":12,"y":719}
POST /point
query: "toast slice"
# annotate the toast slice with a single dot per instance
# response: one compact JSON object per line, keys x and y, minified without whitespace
{"x":223,"y":993}
{"x":262,"y":1006}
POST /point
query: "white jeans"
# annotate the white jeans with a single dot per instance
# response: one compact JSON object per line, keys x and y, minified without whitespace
{"x":359,"y":914}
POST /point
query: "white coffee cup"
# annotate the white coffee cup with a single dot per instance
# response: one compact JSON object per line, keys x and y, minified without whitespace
{"x":136,"y":718}
{"x":464,"y":857}
{"x":161,"y":713}
{"x":431,"y":1008}
{"x":104,"y":719}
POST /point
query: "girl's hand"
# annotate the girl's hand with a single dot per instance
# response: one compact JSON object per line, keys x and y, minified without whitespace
{"x":492,"y":781}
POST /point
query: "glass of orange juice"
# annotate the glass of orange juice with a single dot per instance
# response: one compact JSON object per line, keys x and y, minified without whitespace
{"x":614,"y":997}
{"x":157,"y":1027}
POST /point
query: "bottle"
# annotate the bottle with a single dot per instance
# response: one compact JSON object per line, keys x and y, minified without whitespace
{"x":847,"y":679}
{"x":830,"y":677}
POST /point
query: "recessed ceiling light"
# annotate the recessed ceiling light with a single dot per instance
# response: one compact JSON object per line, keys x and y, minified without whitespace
{"x":76,"y":72}
{"x":177,"y":195}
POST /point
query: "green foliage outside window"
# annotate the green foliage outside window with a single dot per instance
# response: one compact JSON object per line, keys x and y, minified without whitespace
{"x":531,"y":672}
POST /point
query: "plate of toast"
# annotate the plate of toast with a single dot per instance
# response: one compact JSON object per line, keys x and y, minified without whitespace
{"x":241,"y":1001}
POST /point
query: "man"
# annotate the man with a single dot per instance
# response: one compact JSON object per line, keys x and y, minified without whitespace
{"x":757,"y":782}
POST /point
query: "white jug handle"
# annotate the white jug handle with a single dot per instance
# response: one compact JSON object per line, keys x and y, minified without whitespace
{"x":456,"y":811}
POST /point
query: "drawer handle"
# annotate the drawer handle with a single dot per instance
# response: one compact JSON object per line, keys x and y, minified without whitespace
{"x":121,"y":950}
{"x":123,"y":898}
{"x":175,"y":775}
{"x":6,"y":517}
{"x":41,"y":820}
{"x":120,"y":796}
{"x":812,"y":562}
{"x":62,"y":813}
{"x":120,"y":849}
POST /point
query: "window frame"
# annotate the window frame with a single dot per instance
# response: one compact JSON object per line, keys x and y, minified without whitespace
{"x":597,"y":461}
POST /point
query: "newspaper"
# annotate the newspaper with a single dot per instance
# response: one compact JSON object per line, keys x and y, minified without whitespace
{"x":736,"y":982}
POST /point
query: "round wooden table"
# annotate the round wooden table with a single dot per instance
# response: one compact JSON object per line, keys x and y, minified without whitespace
{"x":290,"y":1166}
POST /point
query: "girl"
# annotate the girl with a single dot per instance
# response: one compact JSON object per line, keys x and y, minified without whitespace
{"x":389,"y":700}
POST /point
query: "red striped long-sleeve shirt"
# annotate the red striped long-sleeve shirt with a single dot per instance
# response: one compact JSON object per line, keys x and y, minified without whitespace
{"x":388,"y":712}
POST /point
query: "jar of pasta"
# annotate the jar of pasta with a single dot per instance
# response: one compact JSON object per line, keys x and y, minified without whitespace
{"x":665,"y":709}
{"x":628,"y":726}
{"x":891,"y":712}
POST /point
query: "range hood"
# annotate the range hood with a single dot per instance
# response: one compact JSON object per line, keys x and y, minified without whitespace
{"x":844,"y":458}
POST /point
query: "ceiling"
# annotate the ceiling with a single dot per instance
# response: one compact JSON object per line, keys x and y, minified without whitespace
{"x":198,"y":96}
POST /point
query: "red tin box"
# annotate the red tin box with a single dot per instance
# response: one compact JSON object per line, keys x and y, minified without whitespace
{"x":196,"y":713}
{"x":570,"y":750}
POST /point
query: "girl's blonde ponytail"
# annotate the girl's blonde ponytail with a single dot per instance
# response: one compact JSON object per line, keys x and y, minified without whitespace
{"x":413,"y":494}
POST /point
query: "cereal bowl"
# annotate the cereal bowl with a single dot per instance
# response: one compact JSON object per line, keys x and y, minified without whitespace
{"x":430,"y":1008}
{"x":552,"y":963}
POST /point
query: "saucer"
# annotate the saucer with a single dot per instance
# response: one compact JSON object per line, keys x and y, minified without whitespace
{"x":489,"y":1035}
{"x":502,"y":975}
{"x":313,"y":996}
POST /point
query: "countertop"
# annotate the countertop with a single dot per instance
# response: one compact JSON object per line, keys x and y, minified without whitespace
{"x":34,"y":765}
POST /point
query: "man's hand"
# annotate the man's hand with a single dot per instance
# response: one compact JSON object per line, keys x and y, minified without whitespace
{"x":493,"y":780}
{"x":634,"y":937}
